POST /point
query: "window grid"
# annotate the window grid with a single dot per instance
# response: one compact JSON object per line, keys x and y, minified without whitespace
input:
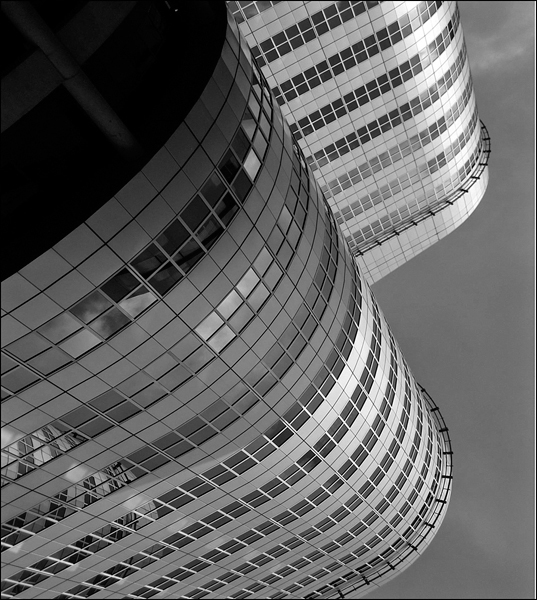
{"x":376,"y":87}
{"x":356,"y":54}
{"x":390,"y":120}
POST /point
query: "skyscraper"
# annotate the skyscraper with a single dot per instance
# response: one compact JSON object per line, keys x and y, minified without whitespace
{"x":380,"y":97}
{"x":201,"y":397}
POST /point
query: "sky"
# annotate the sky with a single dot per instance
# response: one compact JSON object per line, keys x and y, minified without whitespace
{"x":463,"y":314}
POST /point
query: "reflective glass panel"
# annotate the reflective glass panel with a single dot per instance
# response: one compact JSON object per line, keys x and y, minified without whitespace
{"x":240,"y":144}
{"x":91,"y":307}
{"x":213,"y":189}
{"x":148,"y":261}
{"x":221,"y":339}
{"x":248,"y":282}
{"x":208,"y":326}
{"x":189,"y":255}
{"x":138,"y":301}
{"x":209,"y":232}
{"x":229,"y":166}
{"x":120,"y":285}
{"x":226,"y":208}
{"x":195,"y":213}
{"x":252,"y":164}
{"x":110,"y":323}
{"x":17,"y":379}
{"x":50,"y":360}
{"x":28,"y":346}
{"x":165,"y":279}
{"x":249,"y":123}
{"x":80,"y":343}
{"x":173,"y":237}
{"x":230,"y":304}
{"x":60,"y":327}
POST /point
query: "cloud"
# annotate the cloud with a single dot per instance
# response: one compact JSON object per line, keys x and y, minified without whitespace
{"x":509,"y":37}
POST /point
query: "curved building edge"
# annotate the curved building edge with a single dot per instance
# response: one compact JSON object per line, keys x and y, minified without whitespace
{"x":380,"y":97}
{"x":200,"y":392}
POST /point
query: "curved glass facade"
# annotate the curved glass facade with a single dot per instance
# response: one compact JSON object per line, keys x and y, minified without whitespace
{"x":201,"y":396}
{"x":380,"y":96}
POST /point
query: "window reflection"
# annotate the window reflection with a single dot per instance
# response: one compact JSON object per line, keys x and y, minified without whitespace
{"x":59,"y":328}
{"x":195,"y":213}
{"x":92,"y":306}
{"x":165,"y":279}
{"x":80,"y":343}
{"x":28,"y":346}
{"x":209,"y":232}
{"x":50,"y":360}
{"x":230,"y":304}
{"x":120,"y":285}
{"x":173,"y":237}
{"x":148,"y":261}
{"x":252,"y":164}
{"x":18,"y":379}
{"x":110,"y":323}
{"x":189,"y":255}
{"x":138,"y":301}
{"x":213,"y":189}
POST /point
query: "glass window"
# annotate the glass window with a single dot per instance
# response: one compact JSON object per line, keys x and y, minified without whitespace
{"x":249,"y":123}
{"x":199,"y":359}
{"x":226,"y":208}
{"x":229,"y":166}
{"x":142,"y":454}
{"x":151,"y":394}
{"x":241,"y":318}
{"x":92,"y":306}
{"x":242,"y":185}
{"x":17,"y":379}
{"x":214,"y":188}
{"x":173,"y":237}
{"x":260,"y":144}
{"x":240,"y":144}
{"x":7,"y":363}
{"x":214,"y":410}
{"x":263,"y":260}
{"x":252,"y":164}
{"x":107,"y":400}
{"x":230,"y":304}
{"x":165,"y":442}
{"x":50,"y":360}
{"x":254,"y":105}
{"x":195,"y":213}
{"x":120,"y":285}
{"x":221,"y":339}
{"x":258,"y":297}
{"x":123,"y":412}
{"x":138,"y":301}
{"x":96,"y":426}
{"x":186,"y":346}
{"x":175,"y":378}
{"x":148,"y":261}
{"x":110,"y":323}
{"x":79,"y":416}
{"x":80,"y":343}
{"x":28,"y":346}
{"x":189,"y":255}
{"x":209,"y":232}
{"x":209,"y":325}
{"x":247,"y":283}
{"x":165,"y":279}
{"x":60,"y":327}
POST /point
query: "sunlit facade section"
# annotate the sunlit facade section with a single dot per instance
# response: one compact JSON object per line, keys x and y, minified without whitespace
{"x":380,"y":97}
{"x":201,"y":397}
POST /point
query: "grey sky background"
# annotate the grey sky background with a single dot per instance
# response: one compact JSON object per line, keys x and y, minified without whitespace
{"x":463,"y":313}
